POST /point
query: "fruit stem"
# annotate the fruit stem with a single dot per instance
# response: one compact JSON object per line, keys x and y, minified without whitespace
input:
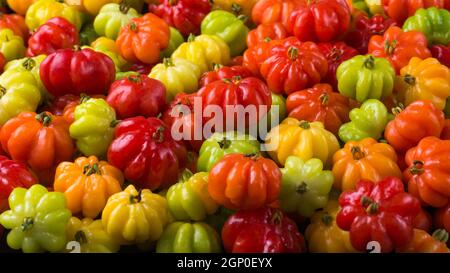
{"x":134,"y":79}
{"x":277,"y":218}
{"x":440,"y":235}
{"x":409,"y":79}
{"x":305,"y":124}
{"x":327,"y":219}
{"x":398,"y":109}
{"x":302,"y":188}
{"x":292,"y":53}
{"x":91,"y":169}
{"x":168,"y":62}
{"x":389,"y":47}
{"x":217,"y":66}
{"x":417,"y":167}
{"x":243,"y":18}
{"x":252,"y":156}
{"x":2,"y":91}
{"x":324,"y":99}
{"x":124,"y":7}
{"x":84,"y":98}
{"x":80,"y":237}
{"x":29,"y":64}
{"x":136,"y":198}
{"x":224,"y":143}
{"x":44,"y":118}
{"x":369,"y":62}
{"x":185,"y":175}
{"x":27,"y":223}
{"x":357,"y":153}
{"x":133,"y":27}
{"x":191,"y":38}
{"x":159,"y":134}
{"x":236,"y":8}
{"x":114,"y":123}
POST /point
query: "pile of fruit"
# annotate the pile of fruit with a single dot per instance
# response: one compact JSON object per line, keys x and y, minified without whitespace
{"x":354,"y":96}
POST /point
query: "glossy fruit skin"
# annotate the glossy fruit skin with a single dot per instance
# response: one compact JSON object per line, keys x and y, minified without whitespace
{"x":221,"y":72}
{"x":146,"y":153}
{"x":303,"y":139}
{"x":65,"y":105}
{"x":365,"y":77}
{"x":367,"y":121}
{"x":109,"y":48}
{"x":442,"y":217}
{"x":428,"y":172}
{"x":37,"y":219}
{"x":323,"y":234}
{"x":91,"y":7}
{"x":271,"y":11}
{"x":69,"y":71}
{"x":87,"y":184}
{"x":16,"y":23}
{"x":264,"y":230}
{"x":20,"y":6}
{"x":236,"y":92}
{"x":143,"y":39}
{"x":20,"y":93}
{"x":293,"y":57}
{"x":305,"y":186}
{"x":184,"y":15}
{"x":442,"y":53}
{"x":254,"y":56}
{"x":423,"y":242}
{"x":56,"y":33}
{"x":176,"y":39}
{"x":2,"y":62}
{"x":336,"y":53}
{"x":201,"y":237}
{"x":420,"y":119}
{"x":91,"y":235}
{"x":380,"y":211}
{"x":433,"y":22}
{"x":365,"y":28}
{"x":319,"y":21}
{"x":177,"y":75}
{"x":365,"y":159}
{"x":399,"y":47}
{"x":179,"y":116}
{"x":240,"y":181}
{"x":400,"y":10}
{"x":32,"y":65}
{"x":40,"y":140}
{"x":319,"y":103}
{"x":205,"y":51}
{"x":189,"y":198}
{"x":227,"y":26}
{"x":276,"y":114}
{"x":41,"y":11}
{"x":423,"y":220}
{"x":137,"y":96}
{"x":112,"y":17}
{"x":221,"y":144}
{"x":13,"y":174}
{"x":11,"y":46}
{"x":121,"y":222}
{"x":264,"y":32}
{"x":424,"y":80}
{"x":238,"y":7}
{"x":93,"y":126}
